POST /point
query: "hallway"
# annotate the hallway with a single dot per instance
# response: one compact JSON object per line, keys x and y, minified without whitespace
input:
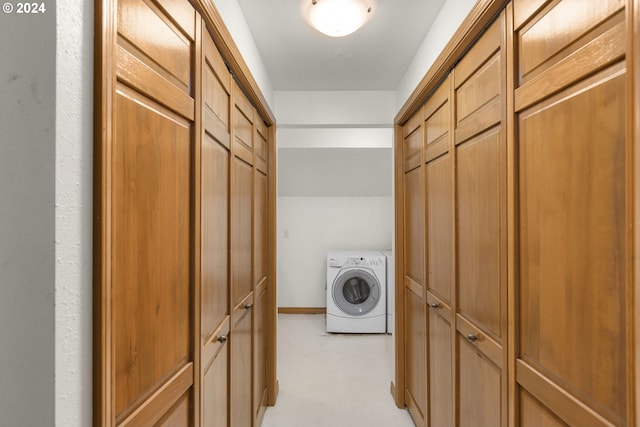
{"x":332,"y":379}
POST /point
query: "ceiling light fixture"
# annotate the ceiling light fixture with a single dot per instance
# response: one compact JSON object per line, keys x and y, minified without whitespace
{"x":338,"y":18}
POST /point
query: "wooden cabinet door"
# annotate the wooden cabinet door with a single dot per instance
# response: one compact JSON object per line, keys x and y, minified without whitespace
{"x":144,"y":300}
{"x":415,"y":336}
{"x":479,"y":81}
{"x":439,"y":251}
{"x":260,"y":325}
{"x":214,"y":241}
{"x":571,"y":367}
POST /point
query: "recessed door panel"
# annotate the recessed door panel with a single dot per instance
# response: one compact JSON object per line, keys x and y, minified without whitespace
{"x":572,"y":324}
{"x":479,"y":202}
{"x":151,"y":248}
{"x":439,"y":227}
{"x":241,"y":230}
{"x":479,"y":388}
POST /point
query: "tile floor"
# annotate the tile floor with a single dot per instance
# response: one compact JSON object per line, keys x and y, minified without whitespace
{"x":332,"y":380}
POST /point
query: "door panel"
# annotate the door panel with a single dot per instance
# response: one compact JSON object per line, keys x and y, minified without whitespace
{"x":260,"y":325}
{"x":151,"y":248}
{"x":241,"y":230}
{"x":215,"y":390}
{"x":439,"y":227}
{"x":243,"y":118}
{"x":480,"y":388}
{"x":414,"y":226}
{"x":179,"y":415}
{"x":215,"y":235}
{"x":440,"y":368}
{"x":416,"y":356}
{"x":479,"y":216}
{"x":534,"y":414}
{"x":550,"y":32}
{"x":260,"y":353}
{"x":572,"y":241}
{"x":241,"y":371}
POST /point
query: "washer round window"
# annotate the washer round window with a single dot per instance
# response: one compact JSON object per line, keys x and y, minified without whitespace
{"x":356,"y":292}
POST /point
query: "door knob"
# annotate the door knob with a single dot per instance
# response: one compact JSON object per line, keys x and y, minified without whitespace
{"x":247,"y":306}
{"x":472,"y":337}
{"x":435,"y":305}
{"x":222,"y":339}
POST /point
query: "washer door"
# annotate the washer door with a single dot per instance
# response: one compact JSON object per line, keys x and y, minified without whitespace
{"x":356,"y":291}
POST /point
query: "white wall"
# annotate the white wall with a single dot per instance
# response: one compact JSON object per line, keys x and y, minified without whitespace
{"x":334,"y":184}
{"x":235,"y":22}
{"x":27,"y":258}
{"x":309,"y":226}
{"x":334,"y":108}
{"x":445,"y":25}
{"x":74,"y":180}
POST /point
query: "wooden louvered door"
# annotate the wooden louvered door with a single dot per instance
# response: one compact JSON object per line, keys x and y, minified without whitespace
{"x":414,"y":288}
{"x":146,"y":241}
{"x":214,"y":225}
{"x":572,"y":361}
{"x":480,"y":155}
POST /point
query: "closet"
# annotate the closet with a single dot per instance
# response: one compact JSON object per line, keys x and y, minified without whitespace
{"x":516,"y":227}
{"x":184,"y":191}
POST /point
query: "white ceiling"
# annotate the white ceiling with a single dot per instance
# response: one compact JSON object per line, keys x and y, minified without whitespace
{"x":375,"y":57}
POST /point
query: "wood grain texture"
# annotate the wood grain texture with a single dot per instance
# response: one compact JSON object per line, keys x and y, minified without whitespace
{"x":241,"y":231}
{"x":479,"y":387}
{"x":151,"y":247}
{"x":260,"y":342}
{"x":441,"y":364}
{"x":416,"y":356}
{"x":215,"y":281}
{"x":243,"y":119}
{"x":216,"y":94}
{"x":241,"y":371}
{"x":604,"y":49}
{"x":146,"y":27}
{"x":556,"y":28}
{"x":413,"y":134}
{"x":414,"y":226}
{"x":439,"y":195}
{"x":564,"y":405}
{"x":215,"y":391}
{"x":162,"y":404}
{"x":480,"y":285}
{"x":572,"y":283}
{"x":534,"y":414}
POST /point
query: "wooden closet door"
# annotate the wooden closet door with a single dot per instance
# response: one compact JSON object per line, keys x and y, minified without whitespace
{"x":242,"y":198}
{"x":415,"y":312}
{"x":439,"y":222}
{"x":214,"y":225}
{"x":260,"y":256}
{"x":146,"y":365}
{"x":573,"y":354}
{"x":481,"y":319}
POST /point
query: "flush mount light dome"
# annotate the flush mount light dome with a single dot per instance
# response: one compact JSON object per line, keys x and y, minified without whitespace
{"x":338,"y":18}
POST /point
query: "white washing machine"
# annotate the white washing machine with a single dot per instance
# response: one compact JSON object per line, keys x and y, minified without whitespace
{"x":356,"y":292}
